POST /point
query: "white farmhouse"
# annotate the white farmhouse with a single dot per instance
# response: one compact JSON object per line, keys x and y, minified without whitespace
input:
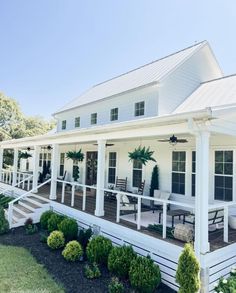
{"x":184,"y":109}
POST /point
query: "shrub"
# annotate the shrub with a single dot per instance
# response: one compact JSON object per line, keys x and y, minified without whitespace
{"x":54,"y":221}
{"x":187,"y":275}
{"x":144,"y":275}
{"x":115,"y":286}
{"x":43,"y":238}
{"x":69,"y":228}
{"x":30,"y":227}
{"x":92,"y":271}
{"x":73,"y":251}
{"x":98,"y":250}
{"x":119,"y":260}
{"x":227,"y":285}
{"x":56,"y":240}
{"x":44,"y":219}
{"x":84,"y":236}
{"x":4,"y":225}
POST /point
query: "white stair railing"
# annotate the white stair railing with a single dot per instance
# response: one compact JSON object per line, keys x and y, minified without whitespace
{"x":11,"y":203}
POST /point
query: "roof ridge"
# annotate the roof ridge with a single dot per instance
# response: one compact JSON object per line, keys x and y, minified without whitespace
{"x":154,"y":61}
{"x":215,"y":79}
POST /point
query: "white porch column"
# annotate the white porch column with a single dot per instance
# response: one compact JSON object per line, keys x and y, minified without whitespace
{"x":202,"y":193}
{"x":54,"y":169}
{"x":99,"y":211}
{"x":1,"y":162}
{"x":36,"y":167}
{"x":15,"y":165}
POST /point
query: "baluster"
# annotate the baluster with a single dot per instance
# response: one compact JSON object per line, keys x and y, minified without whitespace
{"x":226,"y":228}
{"x":164,"y":220}
{"x":73,"y":195}
{"x":139,"y":214}
{"x":84,"y":198}
{"x":63,"y":192}
{"x":118,"y":197}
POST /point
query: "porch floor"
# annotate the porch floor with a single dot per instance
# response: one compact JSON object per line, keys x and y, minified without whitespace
{"x":127,"y":220}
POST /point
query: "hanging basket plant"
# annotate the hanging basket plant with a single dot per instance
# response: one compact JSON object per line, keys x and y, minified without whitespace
{"x":76,"y":156}
{"x":24,"y":155}
{"x":142,"y":155}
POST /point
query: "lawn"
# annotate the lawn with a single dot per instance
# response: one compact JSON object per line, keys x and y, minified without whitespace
{"x":20,"y":273}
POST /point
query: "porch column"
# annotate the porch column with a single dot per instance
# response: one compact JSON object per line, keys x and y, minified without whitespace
{"x":99,"y":211}
{"x":15,"y":165}
{"x":36,"y":168}
{"x":1,"y":162}
{"x":202,"y":193}
{"x":54,"y":169}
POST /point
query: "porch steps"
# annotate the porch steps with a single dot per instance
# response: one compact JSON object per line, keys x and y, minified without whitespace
{"x":29,"y":207}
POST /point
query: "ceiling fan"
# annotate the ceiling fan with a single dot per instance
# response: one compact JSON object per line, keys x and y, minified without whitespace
{"x":173,"y":140}
{"x":107,"y":144}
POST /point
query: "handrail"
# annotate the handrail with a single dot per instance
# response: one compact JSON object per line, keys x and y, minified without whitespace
{"x":28,"y":192}
{"x":76,"y":184}
{"x":17,"y":184}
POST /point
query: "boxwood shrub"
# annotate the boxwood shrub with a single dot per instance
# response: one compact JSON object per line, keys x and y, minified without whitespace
{"x":119,"y":260}
{"x":54,"y":221}
{"x":44,"y":219}
{"x":4,"y":225}
{"x":98,"y":250}
{"x":73,"y":251}
{"x":144,"y":275}
{"x":69,"y":228}
{"x":56,"y":240}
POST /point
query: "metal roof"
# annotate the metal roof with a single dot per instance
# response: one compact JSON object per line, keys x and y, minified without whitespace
{"x":139,"y":77}
{"x":213,"y":93}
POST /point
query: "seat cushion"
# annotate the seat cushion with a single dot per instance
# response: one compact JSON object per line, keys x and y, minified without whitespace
{"x":165,"y":195}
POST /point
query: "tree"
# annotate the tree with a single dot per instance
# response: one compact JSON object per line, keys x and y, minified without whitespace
{"x":188,"y":271}
{"x":14,"y":124}
{"x":154,"y":180}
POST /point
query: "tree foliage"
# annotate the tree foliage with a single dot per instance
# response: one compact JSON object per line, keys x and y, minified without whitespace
{"x":14,"y":124}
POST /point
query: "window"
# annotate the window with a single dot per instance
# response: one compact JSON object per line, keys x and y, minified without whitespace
{"x":193,"y":173}
{"x":94,"y":118}
{"x":114,"y":114}
{"x":178,"y":172}
{"x":62,"y":162}
{"x":139,"y":109}
{"x":137,"y":173}
{"x":112,"y":168}
{"x":224,"y":175}
{"x":49,"y":160}
{"x":63,"y":124}
{"x":40,"y":160}
{"x":77,"y":122}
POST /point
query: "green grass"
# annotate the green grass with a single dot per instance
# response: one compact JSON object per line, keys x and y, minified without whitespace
{"x":20,"y":273}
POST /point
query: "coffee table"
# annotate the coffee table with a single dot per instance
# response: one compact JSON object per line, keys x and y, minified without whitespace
{"x":175,"y":213}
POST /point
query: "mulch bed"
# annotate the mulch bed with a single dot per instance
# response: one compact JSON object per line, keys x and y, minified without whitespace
{"x":70,"y":275}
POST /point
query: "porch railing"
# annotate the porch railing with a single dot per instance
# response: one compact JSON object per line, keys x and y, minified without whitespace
{"x":21,"y":178}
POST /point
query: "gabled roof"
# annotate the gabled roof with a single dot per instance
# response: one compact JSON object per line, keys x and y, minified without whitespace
{"x":146,"y":75}
{"x":213,"y":93}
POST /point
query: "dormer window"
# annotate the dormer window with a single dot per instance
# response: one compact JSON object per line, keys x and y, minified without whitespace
{"x":139,"y":109}
{"x":77,"y":122}
{"x":93,"y":118}
{"x":114,"y":114}
{"x":63,"y":124}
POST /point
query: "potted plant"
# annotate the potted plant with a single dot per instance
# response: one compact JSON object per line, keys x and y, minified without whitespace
{"x":76,"y":156}
{"x":24,"y":155}
{"x":142,"y":155}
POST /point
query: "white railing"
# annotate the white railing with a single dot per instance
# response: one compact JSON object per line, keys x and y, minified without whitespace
{"x":7,"y":177}
{"x":12,"y":188}
{"x":11,"y":203}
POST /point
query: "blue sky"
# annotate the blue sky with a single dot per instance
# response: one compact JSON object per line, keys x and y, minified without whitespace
{"x":52,"y":50}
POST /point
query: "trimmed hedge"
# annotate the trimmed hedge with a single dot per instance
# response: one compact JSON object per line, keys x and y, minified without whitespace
{"x":69,"y":228}
{"x":54,"y":221}
{"x":56,"y":240}
{"x":119,"y":260}
{"x":98,"y":250}
{"x":144,"y":275}
{"x":44,"y":219}
{"x":73,"y":251}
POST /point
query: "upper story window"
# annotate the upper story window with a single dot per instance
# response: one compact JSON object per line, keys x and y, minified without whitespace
{"x":178,"y":172}
{"x":77,"y":122}
{"x":94,"y":118}
{"x":114,"y":114}
{"x":63,"y":124}
{"x":224,"y":175}
{"x":139,"y":109}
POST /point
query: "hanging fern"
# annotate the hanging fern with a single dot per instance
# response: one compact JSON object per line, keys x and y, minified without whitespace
{"x":142,"y":155}
{"x":75,"y":156}
{"x":24,"y":155}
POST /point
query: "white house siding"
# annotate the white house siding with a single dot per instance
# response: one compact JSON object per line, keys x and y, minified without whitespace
{"x":185,"y":79}
{"x":125,"y":103}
